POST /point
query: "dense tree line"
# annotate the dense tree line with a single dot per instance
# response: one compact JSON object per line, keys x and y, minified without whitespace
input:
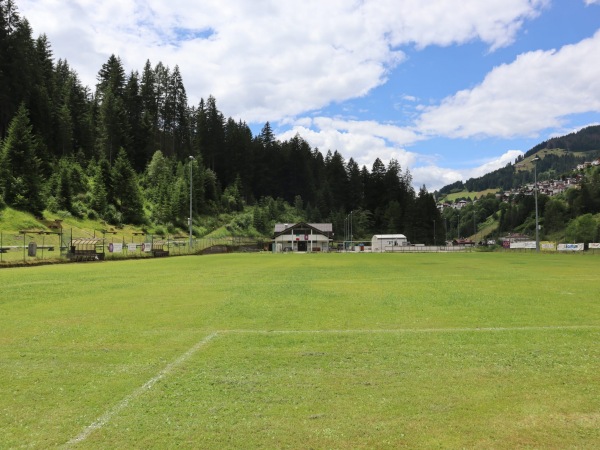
{"x":126,"y":152}
{"x":584,"y":140}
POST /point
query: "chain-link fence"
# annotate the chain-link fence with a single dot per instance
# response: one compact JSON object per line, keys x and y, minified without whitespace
{"x":31,"y":246}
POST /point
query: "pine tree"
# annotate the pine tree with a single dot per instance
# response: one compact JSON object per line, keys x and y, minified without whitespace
{"x":338,"y":180}
{"x":111,"y":77}
{"x":356,"y":188}
{"x":64,"y":191}
{"x":127,"y":194}
{"x":425,"y":212}
{"x":99,"y":200}
{"x":181,"y":119}
{"x":112,"y":126}
{"x":139,"y":126}
{"x":20,"y":164}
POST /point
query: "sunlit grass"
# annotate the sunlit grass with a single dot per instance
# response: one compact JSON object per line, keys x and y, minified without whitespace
{"x":310,"y":351}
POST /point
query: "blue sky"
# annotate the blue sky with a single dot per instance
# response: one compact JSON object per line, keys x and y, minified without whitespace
{"x":451,"y":89}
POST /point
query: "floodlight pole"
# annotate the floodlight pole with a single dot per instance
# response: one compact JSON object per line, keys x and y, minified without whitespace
{"x":434,"y":232}
{"x":535,"y":189}
{"x":191,"y":191}
{"x":345,"y":229}
{"x":351,"y":235}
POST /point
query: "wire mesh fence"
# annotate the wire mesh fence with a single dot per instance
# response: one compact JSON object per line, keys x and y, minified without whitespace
{"x":31,"y":246}
{"x":58,"y":245}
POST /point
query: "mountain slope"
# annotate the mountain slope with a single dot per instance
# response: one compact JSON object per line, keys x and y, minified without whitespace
{"x":559,"y":155}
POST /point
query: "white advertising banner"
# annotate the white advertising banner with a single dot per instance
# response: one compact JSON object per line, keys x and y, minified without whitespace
{"x":523,"y":244}
{"x":115,"y":247}
{"x":570,"y":247}
{"x":147,"y":247}
{"x":594,"y":245}
{"x":131,"y":247}
{"x":548,"y":246}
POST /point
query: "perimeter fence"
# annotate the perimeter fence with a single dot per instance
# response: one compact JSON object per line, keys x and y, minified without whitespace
{"x":26,"y":247}
{"x":61,"y":245}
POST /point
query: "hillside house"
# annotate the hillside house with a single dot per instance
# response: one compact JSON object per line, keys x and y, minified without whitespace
{"x":302,"y":237}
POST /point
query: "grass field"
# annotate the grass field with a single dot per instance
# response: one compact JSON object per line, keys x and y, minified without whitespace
{"x":477,"y":350}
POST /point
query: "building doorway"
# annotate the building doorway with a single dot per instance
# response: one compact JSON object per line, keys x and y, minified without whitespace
{"x":302,"y":246}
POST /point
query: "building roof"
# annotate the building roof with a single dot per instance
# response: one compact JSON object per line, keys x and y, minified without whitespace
{"x":86,"y":241}
{"x":320,"y":227}
{"x":389,"y":236}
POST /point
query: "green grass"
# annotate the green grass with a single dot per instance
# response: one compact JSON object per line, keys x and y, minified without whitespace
{"x":468,"y":194}
{"x":305,"y":351}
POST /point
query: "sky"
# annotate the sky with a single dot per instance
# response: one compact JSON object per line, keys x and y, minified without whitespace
{"x":451,"y":89}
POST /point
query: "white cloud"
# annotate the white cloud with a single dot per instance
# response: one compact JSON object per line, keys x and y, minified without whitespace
{"x":279,"y":61}
{"x":435,"y":177}
{"x":361,"y":140}
{"x":533,"y":93}
{"x":268,"y":59}
{"x":364,"y":141}
{"x":592,"y":2}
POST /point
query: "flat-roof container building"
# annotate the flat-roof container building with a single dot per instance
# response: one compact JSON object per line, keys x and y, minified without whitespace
{"x":387,"y":242}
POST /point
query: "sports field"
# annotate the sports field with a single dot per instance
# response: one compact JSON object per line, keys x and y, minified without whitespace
{"x":477,"y":350}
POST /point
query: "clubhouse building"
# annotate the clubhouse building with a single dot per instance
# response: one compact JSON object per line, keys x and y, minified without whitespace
{"x":302,"y":237}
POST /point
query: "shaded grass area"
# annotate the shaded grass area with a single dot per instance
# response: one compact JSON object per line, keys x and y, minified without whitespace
{"x":342,"y":351}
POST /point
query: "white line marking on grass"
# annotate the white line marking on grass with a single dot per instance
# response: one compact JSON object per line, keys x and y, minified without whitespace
{"x":422,"y":330}
{"x":108,"y":415}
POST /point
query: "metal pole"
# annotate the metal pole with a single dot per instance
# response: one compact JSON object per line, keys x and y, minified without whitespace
{"x":190,"y":218}
{"x":434,"y":232}
{"x":345,"y":229}
{"x":535,"y":189}
{"x":351,"y":234}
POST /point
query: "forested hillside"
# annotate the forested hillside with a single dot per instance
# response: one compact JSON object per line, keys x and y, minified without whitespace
{"x":573,"y":215}
{"x":124,"y":151}
{"x":572,"y":149}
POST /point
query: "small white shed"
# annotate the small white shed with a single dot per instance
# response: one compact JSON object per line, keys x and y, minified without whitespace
{"x":387,"y":242}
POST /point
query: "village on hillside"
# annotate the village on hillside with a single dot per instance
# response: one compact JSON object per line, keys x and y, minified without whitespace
{"x":546,"y":187}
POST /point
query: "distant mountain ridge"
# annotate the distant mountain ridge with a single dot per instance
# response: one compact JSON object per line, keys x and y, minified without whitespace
{"x":585,"y":140}
{"x":559,"y":155}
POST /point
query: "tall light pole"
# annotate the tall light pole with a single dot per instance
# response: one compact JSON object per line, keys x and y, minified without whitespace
{"x":351,"y":235}
{"x":190,"y":218}
{"x":345,"y":229}
{"x":535,"y":189}
{"x":434,"y":232}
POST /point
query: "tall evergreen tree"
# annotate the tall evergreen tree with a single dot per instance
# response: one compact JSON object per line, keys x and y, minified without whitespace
{"x":127,"y":194}
{"x":139,"y":126}
{"x":17,"y":63}
{"x":425,"y":212}
{"x":338,"y":180}
{"x":112,"y":126}
{"x":356,"y":188}
{"x":20,"y":165}
{"x":181,"y":132}
{"x":111,"y":77}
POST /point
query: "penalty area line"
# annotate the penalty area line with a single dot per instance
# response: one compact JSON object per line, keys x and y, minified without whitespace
{"x":420,"y":330}
{"x":108,"y":415}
